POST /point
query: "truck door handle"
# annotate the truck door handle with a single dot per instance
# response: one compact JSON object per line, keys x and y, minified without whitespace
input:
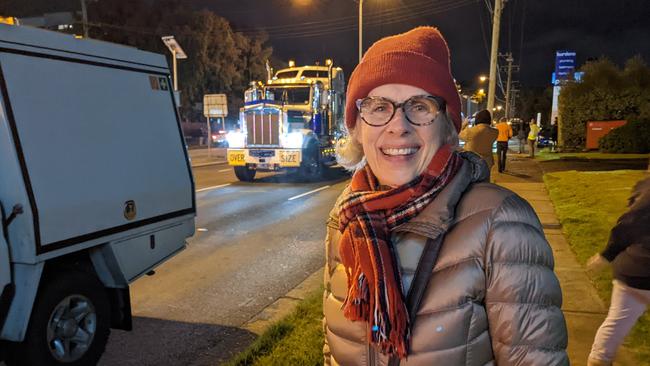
{"x":17,"y":210}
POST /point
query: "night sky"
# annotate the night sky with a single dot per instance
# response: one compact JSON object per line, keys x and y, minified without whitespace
{"x":309,"y":30}
{"x":531,"y":29}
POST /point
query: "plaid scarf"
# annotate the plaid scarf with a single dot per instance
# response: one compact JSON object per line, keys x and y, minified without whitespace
{"x":366,"y":218}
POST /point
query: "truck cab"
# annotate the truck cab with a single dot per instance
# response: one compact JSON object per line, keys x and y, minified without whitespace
{"x":290,"y":122}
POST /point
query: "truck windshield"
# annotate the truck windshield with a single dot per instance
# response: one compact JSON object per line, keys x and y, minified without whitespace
{"x":290,"y":95}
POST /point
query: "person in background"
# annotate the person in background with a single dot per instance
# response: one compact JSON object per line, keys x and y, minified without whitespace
{"x":628,"y":251}
{"x":480,"y":138}
{"x":522,"y":136}
{"x":554,"y":127}
{"x":532,"y":137}
{"x":505,"y":133}
{"x":426,"y":263}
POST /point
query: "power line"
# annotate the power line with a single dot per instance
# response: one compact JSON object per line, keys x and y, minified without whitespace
{"x":338,"y":26}
{"x":375,"y":22}
{"x":343,"y":20}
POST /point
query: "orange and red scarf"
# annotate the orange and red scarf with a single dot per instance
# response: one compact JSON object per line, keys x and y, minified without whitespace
{"x":367,"y":217}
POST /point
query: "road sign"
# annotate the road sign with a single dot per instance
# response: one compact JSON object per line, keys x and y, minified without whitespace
{"x":215,"y":105}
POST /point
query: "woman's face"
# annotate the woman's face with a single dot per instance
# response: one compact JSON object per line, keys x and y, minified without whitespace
{"x":399,"y":151}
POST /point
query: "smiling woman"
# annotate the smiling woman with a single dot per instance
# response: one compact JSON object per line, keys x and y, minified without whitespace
{"x":425,"y":259}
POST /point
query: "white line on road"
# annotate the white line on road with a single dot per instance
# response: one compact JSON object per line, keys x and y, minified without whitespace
{"x":213,"y":187}
{"x":306,"y":193}
{"x":224,"y":170}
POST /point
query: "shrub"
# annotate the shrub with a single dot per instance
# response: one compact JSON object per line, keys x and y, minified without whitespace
{"x":633,"y":137}
{"x":607,"y":93}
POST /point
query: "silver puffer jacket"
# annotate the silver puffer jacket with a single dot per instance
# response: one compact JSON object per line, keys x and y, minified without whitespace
{"x":493,"y":298}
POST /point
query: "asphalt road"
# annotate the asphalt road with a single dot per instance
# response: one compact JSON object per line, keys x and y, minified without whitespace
{"x":252,"y":245}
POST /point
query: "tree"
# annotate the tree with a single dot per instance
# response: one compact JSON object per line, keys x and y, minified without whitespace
{"x":605,"y":93}
{"x":219,"y":61}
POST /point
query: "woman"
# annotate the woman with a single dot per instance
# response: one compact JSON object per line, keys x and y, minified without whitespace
{"x":492,"y":297}
{"x":480,"y":138}
{"x":628,"y":251}
{"x":532,"y":137}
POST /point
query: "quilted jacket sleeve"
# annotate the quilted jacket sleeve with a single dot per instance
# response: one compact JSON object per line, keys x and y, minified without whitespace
{"x":523,"y":296}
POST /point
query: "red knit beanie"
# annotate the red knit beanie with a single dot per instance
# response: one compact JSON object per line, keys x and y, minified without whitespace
{"x":419,"y":58}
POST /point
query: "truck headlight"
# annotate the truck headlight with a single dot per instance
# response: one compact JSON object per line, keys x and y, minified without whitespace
{"x":292,"y":140}
{"x":236,"y":139}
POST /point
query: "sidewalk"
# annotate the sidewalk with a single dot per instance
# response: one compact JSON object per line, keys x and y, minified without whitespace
{"x":584,"y":311}
{"x":200,"y":156}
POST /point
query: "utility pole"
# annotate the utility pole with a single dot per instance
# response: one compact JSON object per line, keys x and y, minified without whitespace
{"x":510,"y":68}
{"x":84,"y":18}
{"x":498,"y":5}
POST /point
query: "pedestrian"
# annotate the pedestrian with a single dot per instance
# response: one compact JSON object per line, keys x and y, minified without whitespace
{"x":480,"y":138}
{"x":554,"y":127}
{"x":426,"y":262}
{"x":532,"y":137}
{"x":505,"y":133}
{"x":522,"y":136}
{"x":628,"y":251}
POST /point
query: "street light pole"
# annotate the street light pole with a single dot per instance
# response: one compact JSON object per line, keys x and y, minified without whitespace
{"x":496,"y":24}
{"x":84,"y":18}
{"x":174,"y":66}
{"x":360,"y":30}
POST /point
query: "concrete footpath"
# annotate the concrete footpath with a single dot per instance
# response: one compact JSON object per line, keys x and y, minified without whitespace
{"x":202,"y":157}
{"x":583,"y":309}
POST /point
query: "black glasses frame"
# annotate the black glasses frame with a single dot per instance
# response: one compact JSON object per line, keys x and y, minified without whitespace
{"x":439,"y":101}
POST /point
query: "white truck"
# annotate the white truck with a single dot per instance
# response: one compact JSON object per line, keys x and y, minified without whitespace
{"x":96,"y":190}
{"x":291,"y":122}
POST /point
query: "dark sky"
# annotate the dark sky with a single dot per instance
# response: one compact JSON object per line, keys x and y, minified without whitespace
{"x":309,"y":30}
{"x":531,"y":29}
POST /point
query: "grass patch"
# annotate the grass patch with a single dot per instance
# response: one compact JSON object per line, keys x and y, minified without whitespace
{"x":295,"y":340}
{"x":588,"y":205}
{"x":546,"y":154}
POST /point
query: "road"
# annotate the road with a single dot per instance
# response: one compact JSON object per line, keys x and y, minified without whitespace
{"x":252,"y":245}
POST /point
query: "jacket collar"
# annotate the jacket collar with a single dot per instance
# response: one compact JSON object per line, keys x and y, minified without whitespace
{"x":438,"y":216}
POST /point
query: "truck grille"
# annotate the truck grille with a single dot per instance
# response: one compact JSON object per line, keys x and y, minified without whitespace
{"x":263,"y":127}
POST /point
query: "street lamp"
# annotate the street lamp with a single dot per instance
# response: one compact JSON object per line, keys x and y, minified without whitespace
{"x":360,"y":29}
{"x":177,"y":53}
{"x":482,"y":78}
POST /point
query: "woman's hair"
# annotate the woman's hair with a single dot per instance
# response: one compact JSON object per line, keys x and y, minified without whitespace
{"x":349,"y":152}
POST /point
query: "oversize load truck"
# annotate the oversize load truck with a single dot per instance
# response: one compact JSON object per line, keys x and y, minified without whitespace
{"x":291,"y":122}
{"x":96,"y":190}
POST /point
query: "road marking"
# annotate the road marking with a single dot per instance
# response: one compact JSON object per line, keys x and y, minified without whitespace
{"x":213,"y":187}
{"x":224,"y":170}
{"x":306,"y":193}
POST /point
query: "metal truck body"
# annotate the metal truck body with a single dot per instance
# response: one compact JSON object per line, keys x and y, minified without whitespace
{"x":291,"y":122}
{"x":96,"y":189}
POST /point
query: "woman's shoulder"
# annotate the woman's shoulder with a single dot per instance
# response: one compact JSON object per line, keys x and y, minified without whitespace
{"x":498,"y":202}
{"x":333,"y":217}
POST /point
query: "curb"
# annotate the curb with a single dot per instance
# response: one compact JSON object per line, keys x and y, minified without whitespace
{"x":208,"y":164}
{"x":284,"y":305}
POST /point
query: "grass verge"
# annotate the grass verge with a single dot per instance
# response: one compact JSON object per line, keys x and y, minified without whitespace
{"x":295,"y":340}
{"x":588,"y":205}
{"x":546,"y":154}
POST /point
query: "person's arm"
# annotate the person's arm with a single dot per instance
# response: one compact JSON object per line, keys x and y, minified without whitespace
{"x":509,"y":132}
{"x":633,"y":224}
{"x":464,"y":131}
{"x":523,"y":297}
{"x":330,"y":265}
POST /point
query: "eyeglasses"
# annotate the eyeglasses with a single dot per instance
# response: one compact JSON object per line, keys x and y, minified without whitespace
{"x":419,"y":110}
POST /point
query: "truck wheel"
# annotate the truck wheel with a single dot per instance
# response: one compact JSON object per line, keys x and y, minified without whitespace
{"x":70,"y":324}
{"x":244,"y":174}
{"x":311,"y":168}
